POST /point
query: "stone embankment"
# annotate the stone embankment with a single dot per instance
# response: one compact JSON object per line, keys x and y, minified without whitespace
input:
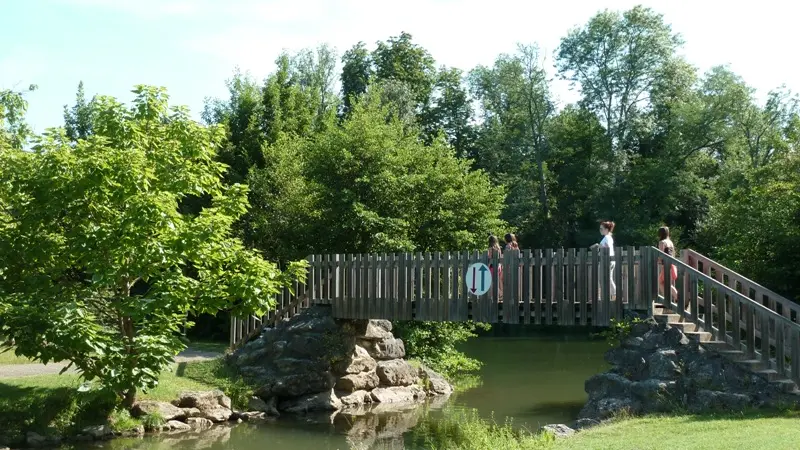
{"x":314,"y":363}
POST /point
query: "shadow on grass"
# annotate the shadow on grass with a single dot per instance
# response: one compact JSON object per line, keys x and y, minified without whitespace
{"x":42,"y":409}
{"x":205,"y":346}
{"x":218,"y":374}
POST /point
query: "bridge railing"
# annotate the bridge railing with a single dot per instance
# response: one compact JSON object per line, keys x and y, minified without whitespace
{"x":728,"y":314}
{"x":550,"y":287}
{"x":564,"y":286}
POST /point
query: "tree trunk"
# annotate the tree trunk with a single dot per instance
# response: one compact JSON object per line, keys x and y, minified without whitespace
{"x":129,"y":398}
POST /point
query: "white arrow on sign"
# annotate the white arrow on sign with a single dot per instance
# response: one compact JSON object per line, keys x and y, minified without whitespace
{"x":478,"y":279}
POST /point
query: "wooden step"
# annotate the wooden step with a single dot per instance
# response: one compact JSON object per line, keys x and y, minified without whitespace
{"x":699,"y":336}
{"x":717,"y":345}
{"x":786,"y":385}
{"x":769,"y":374}
{"x":752,"y":365}
{"x":733,"y":355}
{"x":684,"y":326}
{"x":666,"y":318}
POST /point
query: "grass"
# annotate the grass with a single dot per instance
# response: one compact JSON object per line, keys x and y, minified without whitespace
{"x":52,"y":404}
{"x":467,"y":431}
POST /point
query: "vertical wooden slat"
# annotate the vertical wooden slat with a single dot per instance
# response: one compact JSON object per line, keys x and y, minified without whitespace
{"x":570,"y":302}
{"x":594,"y":286}
{"x":780,"y":349}
{"x":736,"y":326}
{"x":547,"y":283}
{"x":526,"y":287}
{"x":507,"y":280}
{"x":418,"y":270}
{"x":750,"y":329}
{"x":491,"y":306}
{"x":349,"y":280}
{"x":436,"y":286}
{"x":722,"y":304}
{"x":708,"y":309}
{"x":455,"y":268}
{"x":402,"y":292}
{"x":583,"y":275}
{"x":630,"y":292}
{"x":313,"y":273}
{"x":358,"y":287}
{"x":765,"y":337}
{"x":619,"y":253}
{"x":444,"y":301}
{"x":537,"y":288}
{"x":558,"y":276}
{"x":795,"y":349}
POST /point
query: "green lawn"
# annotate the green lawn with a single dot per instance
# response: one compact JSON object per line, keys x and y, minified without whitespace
{"x":691,"y":432}
{"x":467,"y":431}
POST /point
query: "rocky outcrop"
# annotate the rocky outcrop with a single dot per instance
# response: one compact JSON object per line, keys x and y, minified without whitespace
{"x":314,"y":362}
{"x":657,"y":369}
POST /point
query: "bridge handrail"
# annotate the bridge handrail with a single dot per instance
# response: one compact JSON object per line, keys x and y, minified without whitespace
{"x":746,"y":283}
{"x":753,"y":310}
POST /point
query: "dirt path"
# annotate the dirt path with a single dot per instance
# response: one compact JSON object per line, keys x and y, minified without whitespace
{"x":28,"y":370}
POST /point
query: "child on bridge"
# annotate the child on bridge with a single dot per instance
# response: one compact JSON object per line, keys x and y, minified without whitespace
{"x":665,"y":245}
{"x":494,"y":251}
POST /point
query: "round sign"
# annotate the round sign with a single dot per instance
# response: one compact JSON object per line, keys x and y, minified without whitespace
{"x":478,"y":279}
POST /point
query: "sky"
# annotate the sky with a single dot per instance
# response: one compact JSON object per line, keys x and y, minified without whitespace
{"x":192,"y":46}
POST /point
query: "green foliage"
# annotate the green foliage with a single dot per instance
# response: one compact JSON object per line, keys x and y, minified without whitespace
{"x":466,"y":430}
{"x":618,"y":330}
{"x":99,"y":267}
{"x":435,"y":345}
{"x":153,"y":421}
{"x":14,"y":132}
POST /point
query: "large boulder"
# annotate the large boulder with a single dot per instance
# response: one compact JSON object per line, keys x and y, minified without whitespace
{"x":357,"y":382}
{"x":167,"y":411}
{"x":396,"y":372}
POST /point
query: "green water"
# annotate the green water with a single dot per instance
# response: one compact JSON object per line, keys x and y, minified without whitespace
{"x":529,"y":381}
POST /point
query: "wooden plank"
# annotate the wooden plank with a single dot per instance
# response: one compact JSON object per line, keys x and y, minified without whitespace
{"x":490,"y":297}
{"x":418,"y":262}
{"x":507,"y":280}
{"x":583,"y":281}
{"x":765,"y":337}
{"x":402,"y":292}
{"x":621,"y":288}
{"x":750,"y":332}
{"x":708,"y":309}
{"x":444,"y":301}
{"x":360,"y":282}
{"x":558,"y":276}
{"x":630,"y":292}
{"x":795,"y":352}
{"x":526,"y":287}
{"x":594,"y":286}
{"x":537,"y":288}
{"x":515,"y":287}
{"x":349,"y":280}
{"x":452,"y":306}
{"x":571,"y":281}
{"x":436,"y":286}
{"x":547,"y":282}
{"x":780,"y":349}
{"x":312,"y":278}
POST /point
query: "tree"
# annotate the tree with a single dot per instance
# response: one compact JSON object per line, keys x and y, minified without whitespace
{"x":450,"y":112}
{"x":616,"y":59}
{"x":357,"y":72}
{"x":97,"y":265}
{"x":78,"y":119}
{"x":14,"y":132}
{"x":401,"y":60}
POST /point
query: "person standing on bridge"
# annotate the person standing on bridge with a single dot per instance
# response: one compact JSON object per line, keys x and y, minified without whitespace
{"x":513,"y":246}
{"x":665,"y":245}
{"x":606,"y":229}
{"x":495,"y":251}
{"x":511,"y":242}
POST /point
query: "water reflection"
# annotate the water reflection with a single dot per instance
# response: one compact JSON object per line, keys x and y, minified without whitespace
{"x":526,"y":381}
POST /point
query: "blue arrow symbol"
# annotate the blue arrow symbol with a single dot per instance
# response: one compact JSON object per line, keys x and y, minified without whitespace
{"x":483,"y":277}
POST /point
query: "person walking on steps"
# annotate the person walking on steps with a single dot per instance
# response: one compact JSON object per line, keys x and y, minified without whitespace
{"x":665,"y":245}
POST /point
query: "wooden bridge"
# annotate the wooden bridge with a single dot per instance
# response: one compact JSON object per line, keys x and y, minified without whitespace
{"x":552,"y":287}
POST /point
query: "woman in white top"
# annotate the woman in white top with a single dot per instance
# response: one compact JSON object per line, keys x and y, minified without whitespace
{"x":606,"y":229}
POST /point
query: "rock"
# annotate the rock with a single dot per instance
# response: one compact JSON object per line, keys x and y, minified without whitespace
{"x":356,"y":398}
{"x":628,"y":362}
{"x":706,"y":400}
{"x":396,"y":372}
{"x":606,"y":385}
{"x":397,"y":394}
{"x":605,"y":408}
{"x":255,"y":416}
{"x":202,"y":399}
{"x":199,"y":423}
{"x":674,"y":337}
{"x":35,"y":439}
{"x":191,"y":412}
{"x":324,"y":401}
{"x":175,"y":425}
{"x":167,"y":411}
{"x":216,"y":414}
{"x":662,"y":364}
{"x":386,"y":349}
{"x":98,"y":432}
{"x":138,"y":430}
{"x":269,"y":407}
{"x":434,"y":383}
{"x":559,"y":430}
{"x":359,"y":361}
{"x":582,"y":424}
{"x":356,"y":382}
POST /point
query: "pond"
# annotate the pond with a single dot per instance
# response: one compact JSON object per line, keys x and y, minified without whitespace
{"x":529,"y":381}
